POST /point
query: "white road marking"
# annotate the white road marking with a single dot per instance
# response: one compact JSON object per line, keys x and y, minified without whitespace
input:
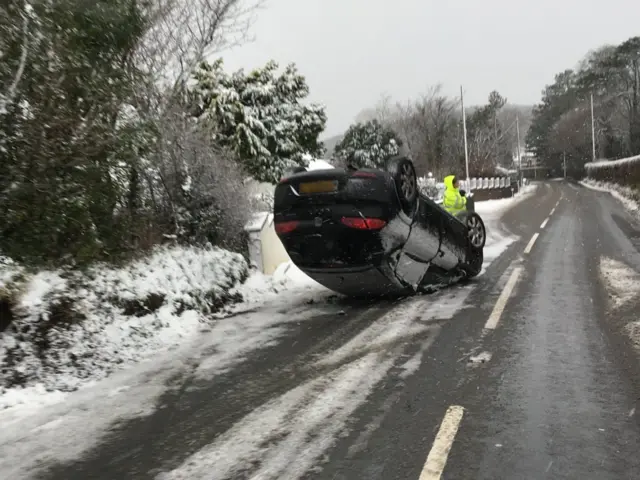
{"x":544,"y":224}
{"x":552,"y":210}
{"x":530,"y":244}
{"x":437,"y":459}
{"x":501,"y":303}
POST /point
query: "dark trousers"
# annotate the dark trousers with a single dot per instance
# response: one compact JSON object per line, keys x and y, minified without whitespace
{"x":471,"y":204}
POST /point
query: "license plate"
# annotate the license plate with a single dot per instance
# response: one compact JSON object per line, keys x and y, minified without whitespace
{"x":322,"y":186}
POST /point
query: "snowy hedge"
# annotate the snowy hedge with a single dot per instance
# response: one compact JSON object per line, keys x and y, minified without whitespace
{"x":59,"y":328}
{"x":625,"y":171}
{"x":629,"y":197}
{"x":429,"y":187}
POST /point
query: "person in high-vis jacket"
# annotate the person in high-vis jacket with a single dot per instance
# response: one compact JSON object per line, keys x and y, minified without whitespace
{"x":454,"y":200}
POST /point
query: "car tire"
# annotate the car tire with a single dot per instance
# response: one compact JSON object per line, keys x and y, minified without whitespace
{"x":475,"y":228}
{"x":475,"y":259}
{"x":405,"y":179}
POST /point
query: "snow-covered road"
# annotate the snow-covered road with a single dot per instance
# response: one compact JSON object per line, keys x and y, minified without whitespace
{"x":281,"y":378}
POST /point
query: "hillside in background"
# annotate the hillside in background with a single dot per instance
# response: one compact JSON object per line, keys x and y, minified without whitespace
{"x":330,"y":144}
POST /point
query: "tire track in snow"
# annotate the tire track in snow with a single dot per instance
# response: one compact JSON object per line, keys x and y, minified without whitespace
{"x":410,"y":319}
{"x":285,"y":437}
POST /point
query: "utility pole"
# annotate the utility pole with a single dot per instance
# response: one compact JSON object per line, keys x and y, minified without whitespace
{"x":564,"y":163}
{"x":464,"y":131}
{"x":495,"y":135}
{"x":593,"y":133}
{"x":519,"y":157}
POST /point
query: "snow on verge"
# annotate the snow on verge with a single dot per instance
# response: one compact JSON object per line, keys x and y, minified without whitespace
{"x":623,"y":286}
{"x":629,"y":197}
{"x":70,"y":327}
{"x":611,"y":163}
{"x":260,"y":290}
{"x":28,"y":444}
{"x":31,"y":437}
{"x":623,"y":283}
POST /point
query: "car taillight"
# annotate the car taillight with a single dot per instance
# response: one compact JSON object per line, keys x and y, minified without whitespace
{"x":361,"y":223}
{"x":286,"y":227}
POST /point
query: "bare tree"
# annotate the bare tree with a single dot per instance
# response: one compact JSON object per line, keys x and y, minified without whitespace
{"x":183,"y":33}
{"x":188,"y":174}
{"x":383,"y":112}
{"x":198,"y":188}
{"x":428,"y":128}
{"x":24,"y":51}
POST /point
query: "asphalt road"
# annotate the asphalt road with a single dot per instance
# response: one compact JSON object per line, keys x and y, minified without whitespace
{"x":524,"y":374}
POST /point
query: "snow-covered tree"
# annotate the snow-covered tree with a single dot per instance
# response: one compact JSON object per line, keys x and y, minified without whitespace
{"x":65,"y":72}
{"x":99,"y":150}
{"x":367,"y":145}
{"x":260,"y":116}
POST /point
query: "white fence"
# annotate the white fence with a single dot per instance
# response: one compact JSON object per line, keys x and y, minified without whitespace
{"x":485,"y":183}
{"x":429,"y":184}
{"x":435,"y":190}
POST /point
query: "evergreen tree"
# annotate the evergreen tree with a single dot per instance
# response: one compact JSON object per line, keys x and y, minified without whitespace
{"x":260,"y":116}
{"x":561,"y":125}
{"x":367,"y":145}
{"x":65,"y":75}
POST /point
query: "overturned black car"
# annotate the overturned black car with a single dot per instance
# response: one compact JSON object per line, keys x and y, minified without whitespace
{"x":371,"y":232}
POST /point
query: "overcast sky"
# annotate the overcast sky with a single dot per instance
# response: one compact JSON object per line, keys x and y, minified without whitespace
{"x":352,"y":51}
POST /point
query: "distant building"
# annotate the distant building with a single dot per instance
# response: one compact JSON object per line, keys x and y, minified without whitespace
{"x":531,"y":167}
{"x":529,"y":159}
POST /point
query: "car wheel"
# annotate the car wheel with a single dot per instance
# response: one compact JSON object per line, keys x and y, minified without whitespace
{"x":475,"y":259}
{"x":406,"y":182}
{"x":477,"y":231}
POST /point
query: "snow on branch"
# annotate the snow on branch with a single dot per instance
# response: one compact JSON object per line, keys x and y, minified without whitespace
{"x":11,"y":92}
{"x":612,"y":163}
{"x":186,"y":32}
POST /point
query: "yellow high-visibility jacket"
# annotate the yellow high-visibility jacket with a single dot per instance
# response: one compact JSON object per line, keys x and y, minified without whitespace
{"x":452,"y":202}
